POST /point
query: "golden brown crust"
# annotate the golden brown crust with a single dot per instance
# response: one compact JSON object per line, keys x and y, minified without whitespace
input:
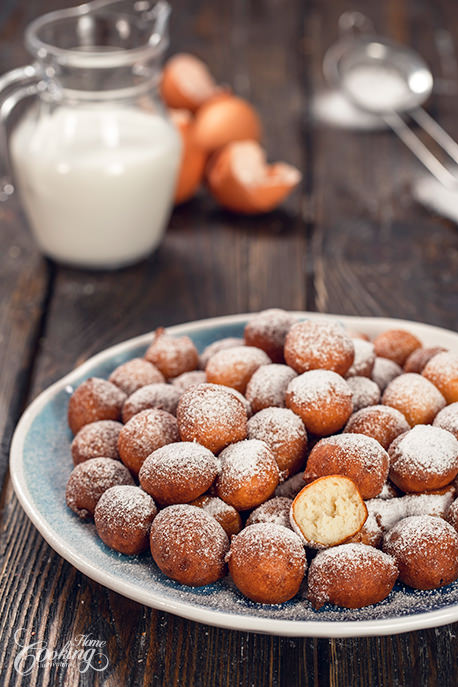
{"x":172,"y":355}
{"x":143,"y":434}
{"x":417,"y":361}
{"x":248,"y":476}
{"x":382,"y":423}
{"x":316,"y":345}
{"x":426,"y":551}
{"x":396,"y":345}
{"x":95,"y":399}
{"x":89,"y":480}
{"x":350,"y":575}
{"x":135,"y":373}
{"x":284,"y":433}
{"x":423,"y":459}
{"x":322,"y":399}
{"x":123,"y":518}
{"x":226,"y":515}
{"x":415,"y":397}
{"x":178,"y":472}
{"x":442,"y":371}
{"x":96,"y":439}
{"x":267,"y":330}
{"x":354,"y":455}
{"x":267,"y":563}
{"x":235,"y":366}
{"x":211,"y":415}
{"x":189,"y":545}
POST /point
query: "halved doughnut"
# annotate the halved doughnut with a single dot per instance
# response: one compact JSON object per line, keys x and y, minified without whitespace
{"x":328,"y":511}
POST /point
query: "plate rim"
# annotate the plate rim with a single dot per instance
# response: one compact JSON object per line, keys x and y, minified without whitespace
{"x":214,"y":617}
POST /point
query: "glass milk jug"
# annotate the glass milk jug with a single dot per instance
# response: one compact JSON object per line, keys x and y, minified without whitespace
{"x":95,"y":157}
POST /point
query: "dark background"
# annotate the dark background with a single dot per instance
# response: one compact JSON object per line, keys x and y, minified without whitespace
{"x":350,"y":240}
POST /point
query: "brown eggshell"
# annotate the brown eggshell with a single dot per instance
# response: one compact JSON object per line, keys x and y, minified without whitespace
{"x":240,"y":179}
{"x":226,"y":119}
{"x":186,"y":82}
{"x":193,"y":158}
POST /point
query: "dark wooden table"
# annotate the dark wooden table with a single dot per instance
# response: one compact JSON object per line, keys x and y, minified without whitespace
{"x":351,"y":240}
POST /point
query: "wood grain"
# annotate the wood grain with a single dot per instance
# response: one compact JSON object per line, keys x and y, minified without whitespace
{"x":348,"y":241}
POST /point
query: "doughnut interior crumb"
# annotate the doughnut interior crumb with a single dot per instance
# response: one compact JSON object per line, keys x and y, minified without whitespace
{"x":328,"y":511}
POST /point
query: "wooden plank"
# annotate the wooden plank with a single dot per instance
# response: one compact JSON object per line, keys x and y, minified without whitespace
{"x":25,"y":277}
{"x":211,"y":263}
{"x":376,"y":252}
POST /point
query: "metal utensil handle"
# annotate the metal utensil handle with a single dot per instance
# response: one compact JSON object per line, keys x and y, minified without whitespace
{"x":436,"y":132}
{"x":421,"y":152}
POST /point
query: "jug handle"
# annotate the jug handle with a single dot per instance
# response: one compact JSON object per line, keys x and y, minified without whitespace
{"x":13,"y":81}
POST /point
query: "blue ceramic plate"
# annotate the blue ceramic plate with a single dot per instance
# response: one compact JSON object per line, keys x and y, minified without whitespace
{"x":40,"y":465}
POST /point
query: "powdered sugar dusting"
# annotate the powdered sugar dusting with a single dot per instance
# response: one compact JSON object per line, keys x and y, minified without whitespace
{"x":447,"y":419}
{"x":444,"y":365}
{"x":270,"y":327}
{"x":364,"y":359}
{"x":278,"y":427}
{"x":274,"y":510}
{"x":241,"y":359}
{"x":147,"y":431}
{"x":125,"y":506}
{"x":216,"y":507}
{"x":364,"y":391}
{"x":189,"y":379}
{"x":379,"y":422}
{"x":134,"y":374}
{"x":183,"y":527}
{"x":361,"y":448}
{"x":104,"y":392}
{"x":413,"y":391}
{"x":97,"y":439}
{"x":425,"y":449}
{"x":384,"y":371}
{"x":216,"y":346}
{"x":180,"y":462}
{"x":90,"y":479}
{"x":161,"y":396}
{"x":267,"y":387}
{"x":387,"y":512}
{"x":346,"y":562}
{"x":268,"y":539}
{"x":314,"y":386}
{"x":419,"y":534}
{"x":312,"y":343}
{"x":172,"y":355}
{"x":244,"y":460}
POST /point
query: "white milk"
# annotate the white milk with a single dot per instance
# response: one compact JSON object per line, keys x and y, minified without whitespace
{"x":96,"y":181}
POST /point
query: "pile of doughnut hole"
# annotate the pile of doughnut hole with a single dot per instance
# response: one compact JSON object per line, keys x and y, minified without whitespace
{"x":303,"y":458}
